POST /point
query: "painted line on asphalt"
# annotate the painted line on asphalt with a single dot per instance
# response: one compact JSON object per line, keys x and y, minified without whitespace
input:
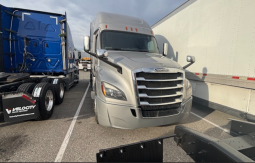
{"x":70,"y":130}
{"x":226,"y":130}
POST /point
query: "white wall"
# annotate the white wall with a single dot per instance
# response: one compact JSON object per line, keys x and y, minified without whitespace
{"x":221,"y":35}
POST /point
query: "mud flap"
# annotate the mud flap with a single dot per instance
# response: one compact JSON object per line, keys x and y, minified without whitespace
{"x":19,"y":106}
{"x":146,"y":151}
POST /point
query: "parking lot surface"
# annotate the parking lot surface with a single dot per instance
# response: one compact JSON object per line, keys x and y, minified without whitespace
{"x":54,"y":139}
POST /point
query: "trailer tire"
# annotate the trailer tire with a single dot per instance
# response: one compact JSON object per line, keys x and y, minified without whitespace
{"x":47,"y":80}
{"x":44,"y":92}
{"x":59,"y":88}
{"x":26,"y":87}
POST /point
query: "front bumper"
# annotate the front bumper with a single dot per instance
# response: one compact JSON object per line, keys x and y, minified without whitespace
{"x":119,"y":116}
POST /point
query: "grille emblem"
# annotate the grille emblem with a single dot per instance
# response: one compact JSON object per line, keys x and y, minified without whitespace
{"x":161,"y":69}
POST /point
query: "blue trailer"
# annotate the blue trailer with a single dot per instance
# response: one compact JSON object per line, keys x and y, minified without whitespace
{"x":37,"y":63}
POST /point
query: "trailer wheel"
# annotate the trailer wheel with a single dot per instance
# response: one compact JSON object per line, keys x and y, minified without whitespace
{"x":47,"y":80}
{"x":26,"y":87}
{"x":46,"y":100}
{"x":59,"y":88}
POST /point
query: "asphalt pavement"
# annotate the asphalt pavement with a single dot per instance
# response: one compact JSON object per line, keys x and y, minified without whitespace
{"x":43,"y":141}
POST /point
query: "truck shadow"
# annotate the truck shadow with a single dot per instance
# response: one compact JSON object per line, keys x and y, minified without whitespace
{"x":197,"y":79}
{"x":199,"y":86}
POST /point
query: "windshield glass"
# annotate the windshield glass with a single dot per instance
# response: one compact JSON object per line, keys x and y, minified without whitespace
{"x":112,"y":40}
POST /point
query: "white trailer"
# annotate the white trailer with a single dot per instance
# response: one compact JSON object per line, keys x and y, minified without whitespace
{"x":221,"y":35}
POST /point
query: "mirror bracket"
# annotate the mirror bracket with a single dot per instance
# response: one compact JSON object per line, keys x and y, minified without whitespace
{"x":190,"y":59}
{"x":102,"y":53}
{"x":165,"y":49}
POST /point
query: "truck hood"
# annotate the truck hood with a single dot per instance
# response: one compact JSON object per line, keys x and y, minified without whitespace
{"x":137,"y":60}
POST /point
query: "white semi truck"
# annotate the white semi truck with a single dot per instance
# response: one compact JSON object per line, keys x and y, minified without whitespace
{"x":221,"y":35}
{"x":133,"y":84}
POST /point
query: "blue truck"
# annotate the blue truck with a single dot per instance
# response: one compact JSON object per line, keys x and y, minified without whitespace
{"x":37,"y":63}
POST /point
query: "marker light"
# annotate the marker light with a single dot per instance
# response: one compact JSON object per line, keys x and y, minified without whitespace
{"x":103,"y":89}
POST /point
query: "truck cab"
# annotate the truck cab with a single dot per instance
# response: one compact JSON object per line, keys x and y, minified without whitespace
{"x":133,"y":84}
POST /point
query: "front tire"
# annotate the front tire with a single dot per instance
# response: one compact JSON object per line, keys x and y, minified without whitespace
{"x":46,"y":100}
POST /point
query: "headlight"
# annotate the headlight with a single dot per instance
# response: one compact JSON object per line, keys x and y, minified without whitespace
{"x":112,"y":92}
{"x":188,"y":89}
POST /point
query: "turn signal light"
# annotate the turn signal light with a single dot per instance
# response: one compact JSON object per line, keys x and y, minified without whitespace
{"x":103,"y":89}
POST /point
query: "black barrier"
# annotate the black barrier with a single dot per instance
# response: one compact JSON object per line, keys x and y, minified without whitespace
{"x":242,"y":127}
{"x":145,"y":151}
{"x":200,"y":147}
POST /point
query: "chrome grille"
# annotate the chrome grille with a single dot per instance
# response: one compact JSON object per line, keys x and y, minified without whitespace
{"x":158,"y":75}
{"x":160,"y":94}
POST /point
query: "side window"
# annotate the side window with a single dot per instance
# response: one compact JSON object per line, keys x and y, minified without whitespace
{"x":151,"y":46}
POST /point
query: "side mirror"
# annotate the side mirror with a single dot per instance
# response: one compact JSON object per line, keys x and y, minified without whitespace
{"x":86,"y":43}
{"x":102,"y":53}
{"x":190,"y":59}
{"x":165,"y":48}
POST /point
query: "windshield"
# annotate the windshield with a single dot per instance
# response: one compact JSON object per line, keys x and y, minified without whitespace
{"x":112,"y":40}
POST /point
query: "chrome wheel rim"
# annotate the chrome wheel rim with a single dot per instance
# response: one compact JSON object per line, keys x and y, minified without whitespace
{"x":49,"y":100}
{"x":62,"y":90}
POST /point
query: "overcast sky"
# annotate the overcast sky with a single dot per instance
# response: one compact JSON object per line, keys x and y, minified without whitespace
{"x":81,"y":12}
